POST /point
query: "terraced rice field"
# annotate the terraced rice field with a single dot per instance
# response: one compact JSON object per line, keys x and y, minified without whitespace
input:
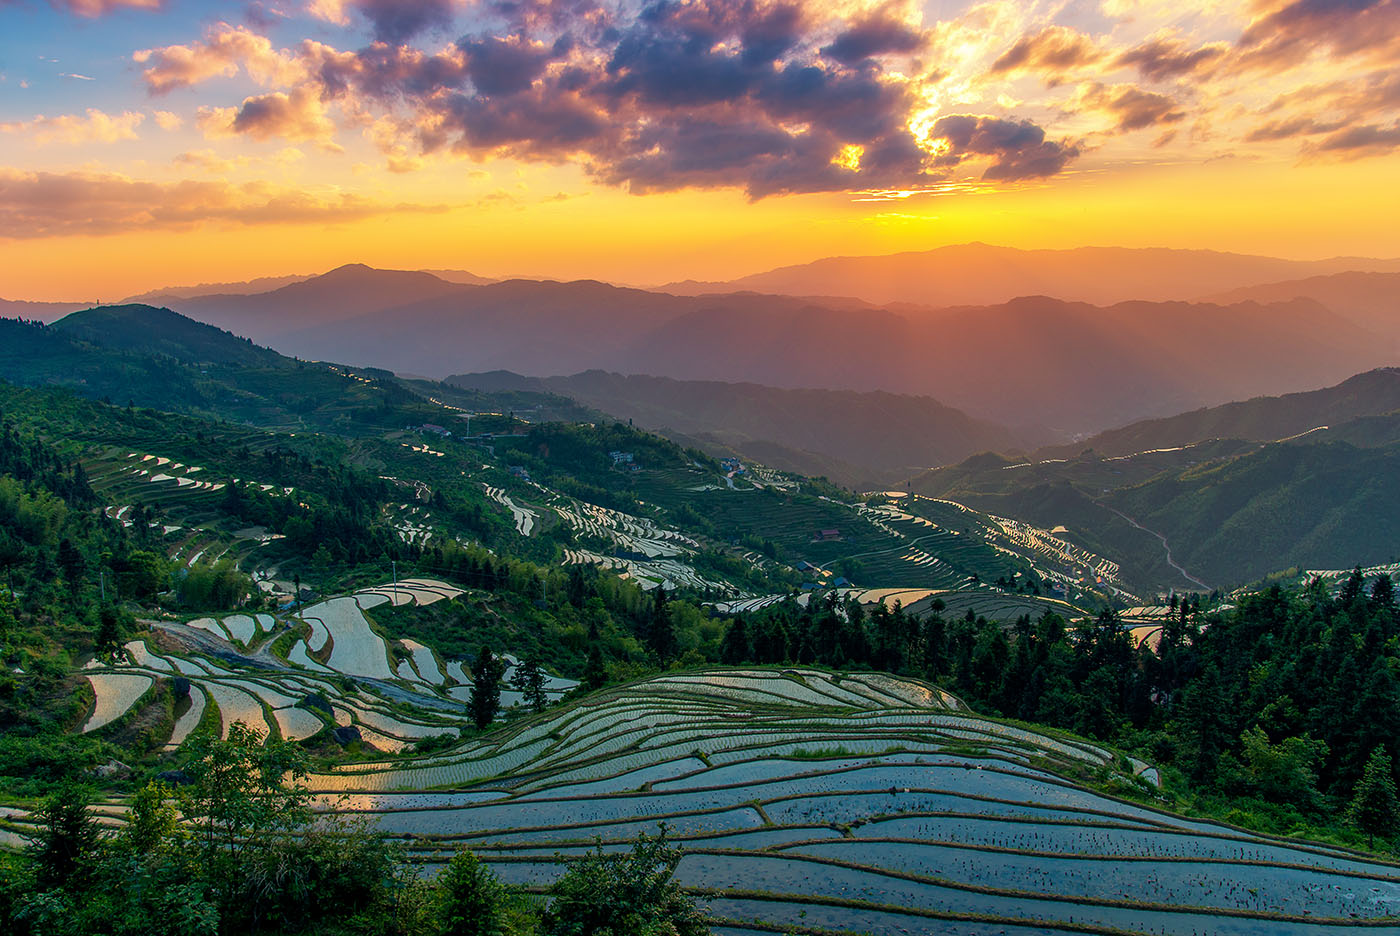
{"x":804,"y":798}
{"x":523,"y":517}
{"x":858,"y":803}
{"x":424,"y":699}
{"x":115,"y":694}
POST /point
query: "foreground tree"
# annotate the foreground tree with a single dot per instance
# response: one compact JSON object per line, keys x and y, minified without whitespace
{"x":595,"y":671}
{"x":1375,"y":809}
{"x":623,"y":894}
{"x":472,"y":899}
{"x":67,"y":840}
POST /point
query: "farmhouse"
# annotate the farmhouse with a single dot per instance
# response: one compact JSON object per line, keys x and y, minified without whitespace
{"x":828,"y":536}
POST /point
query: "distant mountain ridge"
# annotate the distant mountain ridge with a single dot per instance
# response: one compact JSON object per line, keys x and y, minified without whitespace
{"x":982,"y":274}
{"x":857,"y":439}
{"x":1371,"y":300}
{"x":237,"y":288}
{"x":1034,"y":360}
{"x":38,"y":311}
{"x":1072,"y":367}
{"x":320,"y":301}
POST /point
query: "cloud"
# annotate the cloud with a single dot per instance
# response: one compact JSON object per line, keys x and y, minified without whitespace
{"x":876,"y":34}
{"x":95,"y":8}
{"x":297,"y":116}
{"x":47,"y":204}
{"x":393,"y":21}
{"x":1052,"y":52}
{"x":167,"y":120}
{"x":504,"y":65}
{"x":96,"y":127}
{"x":1018,"y":149}
{"x":1286,"y":34}
{"x":1359,"y":141}
{"x":1286,"y":129}
{"x":224,"y":50}
{"x":1354,"y":111}
{"x":1162,"y":58}
{"x":768,"y":96}
{"x":1129,"y":106}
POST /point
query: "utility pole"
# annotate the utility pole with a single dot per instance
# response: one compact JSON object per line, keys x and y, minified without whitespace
{"x":395,"y":564}
{"x":102,"y":583}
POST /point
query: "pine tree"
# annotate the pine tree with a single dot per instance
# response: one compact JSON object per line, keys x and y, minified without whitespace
{"x":529,"y":680}
{"x":473,"y":898}
{"x":662,"y":635}
{"x":486,"y":687}
{"x":595,"y":672}
{"x":735,"y":648}
{"x":1374,"y":807}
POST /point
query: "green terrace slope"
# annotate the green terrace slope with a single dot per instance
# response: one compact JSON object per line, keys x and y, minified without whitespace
{"x":1217,"y":513}
{"x":1322,"y":505}
{"x":801,"y":798}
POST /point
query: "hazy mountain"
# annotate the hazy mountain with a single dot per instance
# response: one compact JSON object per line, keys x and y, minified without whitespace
{"x":459,"y":276}
{"x":242,"y":288}
{"x":859,"y":439}
{"x":1262,"y":419}
{"x":981,"y":274}
{"x":343,"y":293}
{"x":1073,"y":367}
{"x":1371,"y":300}
{"x":148,"y":330}
{"x":38,"y":311}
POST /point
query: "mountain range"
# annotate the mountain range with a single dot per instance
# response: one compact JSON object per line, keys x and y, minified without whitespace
{"x":1034,"y":361}
{"x":981,"y":274}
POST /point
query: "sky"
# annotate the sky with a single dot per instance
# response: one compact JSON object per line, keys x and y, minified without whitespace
{"x":167,"y":142}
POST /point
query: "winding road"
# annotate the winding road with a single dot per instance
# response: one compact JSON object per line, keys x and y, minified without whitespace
{"x":1170,"y":561}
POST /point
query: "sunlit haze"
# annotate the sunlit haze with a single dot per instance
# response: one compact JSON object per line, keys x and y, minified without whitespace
{"x":145,"y":143}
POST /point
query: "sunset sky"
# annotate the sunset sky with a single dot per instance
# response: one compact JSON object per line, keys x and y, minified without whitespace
{"x":147,"y":143}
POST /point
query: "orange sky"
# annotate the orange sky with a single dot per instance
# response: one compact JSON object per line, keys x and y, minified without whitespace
{"x":717,"y":139}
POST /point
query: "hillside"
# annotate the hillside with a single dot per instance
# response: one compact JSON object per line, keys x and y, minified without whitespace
{"x":1221,"y":513}
{"x":160,"y":359}
{"x":981,"y":274}
{"x":1322,"y":505}
{"x":869,"y":438}
{"x":149,"y":330}
{"x":1262,"y":419}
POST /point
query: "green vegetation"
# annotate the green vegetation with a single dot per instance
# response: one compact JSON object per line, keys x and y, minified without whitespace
{"x":1271,"y":713}
{"x":1279,"y":712}
{"x":250,"y":858}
